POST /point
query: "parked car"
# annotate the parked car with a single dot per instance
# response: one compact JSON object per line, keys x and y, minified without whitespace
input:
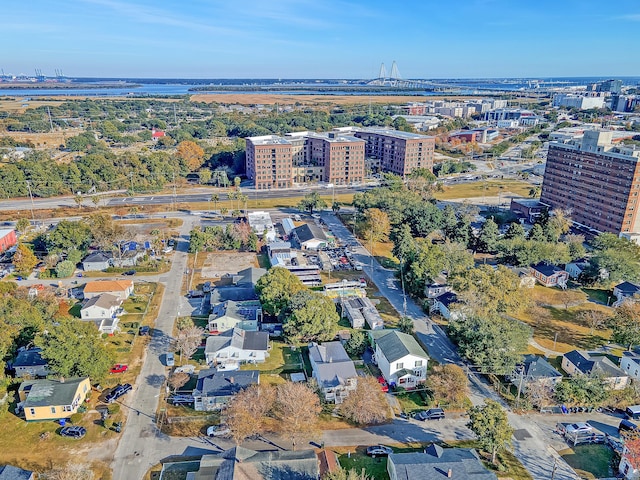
{"x":73,"y":432}
{"x":627,"y":426}
{"x":119,"y":368}
{"x":129,"y":272}
{"x":117,"y":392}
{"x":379,"y":451}
{"x":144,"y":330}
{"x":218,"y":430}
{"x":579,"y":427}
{"x":432,"y":414}
{"x":169,"y":359}
{"x":383,"y":384}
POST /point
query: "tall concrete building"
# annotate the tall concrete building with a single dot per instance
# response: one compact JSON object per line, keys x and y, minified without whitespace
{"x":341,"y":157}
{"x":599,"y":182}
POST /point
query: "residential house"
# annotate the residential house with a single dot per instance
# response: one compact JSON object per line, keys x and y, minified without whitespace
{"x":97,"y":261}
{"x":360,"y":310}
{"x":535,"y":369}
{"x":437,"y":463}
{"x":434,"y":290}
{"x":328,"y":462}
{"x":625,"y":290}
{"x":101,"y":306}
{"x":215,"y":388}
{"x":128,"y":258}
{"x":629,"y":465}
{"x":580,"y":362}
{"x":9,"y":472}
{"x":29,"y":363}
{"x":52,"y":399}
{"x":119,"y":288}
{"x":310,"y":236}
{"x":333,"y":370}
{"x":156,"y":134}
{"x":244,"y":278}
{"x":550,"y":275}
{"x":527,"y":280}
{"x":231,"y":314}
{"x":233,"y":348}
{"x":630,"y":363}
{"x":444,"y":303}
{"x":576,"y":268}
{"x":400,"y":358}
{"x":241,"y":463}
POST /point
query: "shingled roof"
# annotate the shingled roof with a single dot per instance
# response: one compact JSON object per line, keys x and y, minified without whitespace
{"x":395,"y":345}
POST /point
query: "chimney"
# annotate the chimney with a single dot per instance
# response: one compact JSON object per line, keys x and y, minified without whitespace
{"x":450,"y":473}
{"x":232,"y":380}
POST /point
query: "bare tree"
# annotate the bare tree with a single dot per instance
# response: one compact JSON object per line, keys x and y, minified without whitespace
{"x":188,"y":340}
{"x":247,"y":411}
{"x":72,"y":471}
{"x":351,"y":474}
{"x":366,"y":404}
{"x":178,"y":379}
{"x":449,"y":384}
{"x":297,"y":407}
{"x":594,"y":319}
{"x":539,"y":393}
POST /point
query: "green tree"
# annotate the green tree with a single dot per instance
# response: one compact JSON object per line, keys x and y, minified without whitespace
{"x":335,"y":206}
{"x":488,"y":238}
{"x":377,"y":226}
{"x":449,"y":222}
{"x":69,"y":234}
{"x":515,"y":230}
{"x":581,"y":390}
{"x":276,"y":288}
{"x":74,"y":349}
{"x":311,"y":316}
{"x":357,"y":344}
{"x":575,"y":244}
{"x":490,"y":424}
{"x":215,"y":198}
{"x":65,"y":269}
{"x":311,"y":202}
{"x":205,"y":176}
{"x":24,"y":260}
{"x":625,"y":324}
{"x":22,"y":225}
{"x":537,"y":234}
{"x":405,"y":325}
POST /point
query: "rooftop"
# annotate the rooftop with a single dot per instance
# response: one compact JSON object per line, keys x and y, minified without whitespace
{"x":29,"y":358}
{"x":214,"y":383}
{"x":395,"y":345}
{"x":108,"y":286}
{"x":393,"y":133}
{"x":42,"y":393}
{"x":269,"y":140}
{"x":104,"y":300}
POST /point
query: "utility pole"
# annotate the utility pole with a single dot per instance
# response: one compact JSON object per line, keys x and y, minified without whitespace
{"x":131,"y":178}
{"x":555,"y":467}
{"x":520,"y":385}
{"x":50,"y":122}
{"x":404,"y":294}
{"x":33,"y":217}
{"x":174,"y":190}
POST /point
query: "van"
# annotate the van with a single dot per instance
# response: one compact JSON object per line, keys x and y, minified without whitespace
{"x":626,"y":426}
{"x":633,"y":412}
{"x":169,"y":359}
{"x":297,"y":218}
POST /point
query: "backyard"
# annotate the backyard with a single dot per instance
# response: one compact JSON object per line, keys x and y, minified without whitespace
{"x":590,"y":461}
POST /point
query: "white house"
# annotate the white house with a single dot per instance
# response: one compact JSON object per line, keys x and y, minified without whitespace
{"x":102,"y":306}
{"x":261,"y":223}
{"x":581,"y":362}
{"x":97,"y":261}
{"x":233,"y":348}
{"x":575,"y":268}
{"x":230,"y":314}
{"x":630,"y":363}
{"x":118,"y":288}
{"x":333,"y":369}
{"x":400,"y":358}
{"x":629,"y":465}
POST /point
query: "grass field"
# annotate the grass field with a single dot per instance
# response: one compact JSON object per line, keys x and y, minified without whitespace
{"x":484,"y":188}
{"x":590,"y":461}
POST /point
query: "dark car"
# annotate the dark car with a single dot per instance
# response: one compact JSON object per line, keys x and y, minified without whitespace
{"x":144,"y":330}
{"x":627,"y":426}
{"x":379,"y":451}
{"x":117,"y":392}
{"x":432,"y":414}
{"x":73,"y":432}
{"x":129,"y":272}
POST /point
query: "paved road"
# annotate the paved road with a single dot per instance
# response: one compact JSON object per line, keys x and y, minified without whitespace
{"x":530,"y":443}
{"x":139,"y":445}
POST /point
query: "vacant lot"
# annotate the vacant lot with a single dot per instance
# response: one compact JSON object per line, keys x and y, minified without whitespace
{"x":214,"y":265}
{"x":480,"y":189}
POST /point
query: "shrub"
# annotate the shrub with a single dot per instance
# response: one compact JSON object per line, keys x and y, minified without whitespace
{"x":75,"y":418}
{"x":113,"y":408}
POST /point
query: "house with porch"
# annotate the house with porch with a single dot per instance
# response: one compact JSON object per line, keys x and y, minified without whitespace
{"x":215,"y":388}
{"x":333,"y":370}
{"x":550,"y":275}
{"x":52,"y":399}
{"x":400,"y":358}
{"x":236,"y":347}
{"x":581,"y":362}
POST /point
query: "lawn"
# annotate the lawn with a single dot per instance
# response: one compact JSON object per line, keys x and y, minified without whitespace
{"x":590,"y":461}
{"x":268,"y":203}
{"x":513,"y":469}
{"x":358,"y":460}
{"x":282,"y":358}
{"x":411,"y":401}
{"x":484,"y":189}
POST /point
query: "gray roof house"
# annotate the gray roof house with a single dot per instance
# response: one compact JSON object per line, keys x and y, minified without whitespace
{"x":9,"y":472}
{"x":29,"y":363}
{"x":580,"y":362}
{"x":214,"y":389}
{"x":97,"y":261}
{"x":232,"y":314}
{"x":534,"y":368}
{"x":437,"y":463}
{"x":248,"y":276}
{"x":240,"y":463}
{"x":333,"y":369}
{"x":625,"y":290}
{"x":310,"y":236}
{"x":400,"y":358}
{"x":233,"y":348}
{"x":360,"y":310}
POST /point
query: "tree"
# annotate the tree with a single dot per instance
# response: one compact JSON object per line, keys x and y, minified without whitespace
{"x":24,"y":260}
{"x":23,"y":225}
{"x":191,"y":153}
{"x":69,"y":234}
{"x":405,"y":325}
{"x":539,"y":393}
{"x":488,"y":238}
{"x":366,"y":404}
{"x":248,"y":409}
{"x":95,"y":199}
{"x":188,"y":340}
{"x":178,"y":379}
{"x":515,"y":230}
{"x":236,"y":182}
{"x":298,"y":408}
{"x":311,"y":202}
{"x":377,"y":226}
{"x":215,"y":198}
{"x":582,"y":390}
{"x":625,"y":324}
{"x":205,"y":176}
{"x":311,"y":316}
{"x":449,"y":384}
{"x":276,"y":288}
{"x":490,"y":424}
{"x":65,"y":269}
{"x":537,"y":234}
{"x":74,"y":349}
{"x":594,"y":319}
{"x":335,"y":206}
{"x":78,"y":199}
{"x":344,"y":474}
{"x":357,"y":344}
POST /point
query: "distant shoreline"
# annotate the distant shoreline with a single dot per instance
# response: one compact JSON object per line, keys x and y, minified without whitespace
{"x":62,"y":85}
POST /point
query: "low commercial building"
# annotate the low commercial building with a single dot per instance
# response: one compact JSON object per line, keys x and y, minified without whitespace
{"x":310,"y":236}
{"x":529,"y":209}
{"x":8,"y":239}
{"x":360,"y":310}
{"x":261,"y":223}
{"x":580,"y":101}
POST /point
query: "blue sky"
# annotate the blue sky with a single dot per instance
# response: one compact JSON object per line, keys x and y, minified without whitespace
{"x":321,"y":38}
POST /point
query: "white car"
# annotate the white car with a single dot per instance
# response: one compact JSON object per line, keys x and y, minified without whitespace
{"x":218,"y":431}
{"x":579,"y":427}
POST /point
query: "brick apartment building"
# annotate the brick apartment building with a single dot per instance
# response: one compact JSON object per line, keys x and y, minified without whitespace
{"x":341,"y":157}
{"x":597,"y":181}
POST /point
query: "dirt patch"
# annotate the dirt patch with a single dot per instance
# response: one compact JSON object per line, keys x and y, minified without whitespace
{"x":217,"y":264}
{"x":44,"y":140}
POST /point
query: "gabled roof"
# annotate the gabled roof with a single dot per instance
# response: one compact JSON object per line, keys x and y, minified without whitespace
{"x":537,"y":367}
{"x":249,"y":276}
{"x":29,"y":358}
{"x":396,"y":345}
{"x":546,"y":270}
{"x":9,"y":472}
{"x":628,"y":288}
{"x":308,"y":232}
{"x":447,"y":298}
{"x":105,"y":300}
{"x":43,"y":393}
{"x":328,"y":352}
{"x":335,"y":374}
{"x":436,"y":462}
{"x":240,"y":339}
{"x":107,"y":286}
{"x":587,"y":363}
{"x":213,"y":383}
{"x":237,"y":310}
{"x":98,"y":257}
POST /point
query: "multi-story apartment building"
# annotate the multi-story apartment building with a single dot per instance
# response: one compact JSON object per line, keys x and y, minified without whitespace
{"x":599,"y":182}
{"x":336,"y":157}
